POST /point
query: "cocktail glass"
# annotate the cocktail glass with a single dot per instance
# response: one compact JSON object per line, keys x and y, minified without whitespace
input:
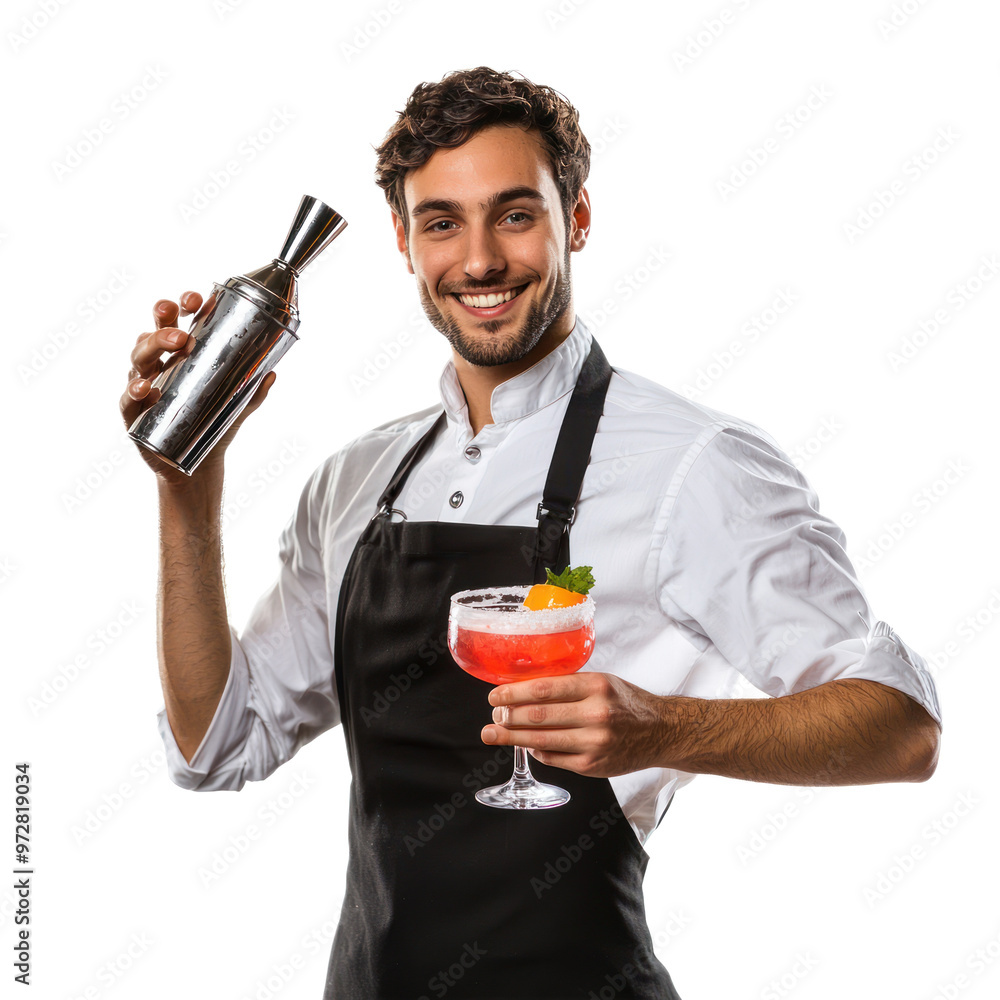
{"x":494,"y":637}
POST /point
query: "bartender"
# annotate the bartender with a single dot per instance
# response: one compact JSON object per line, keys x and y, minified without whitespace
{"x":713,"y":566}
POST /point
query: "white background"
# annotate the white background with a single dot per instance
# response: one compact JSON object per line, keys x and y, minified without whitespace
{"x":818,"y":909}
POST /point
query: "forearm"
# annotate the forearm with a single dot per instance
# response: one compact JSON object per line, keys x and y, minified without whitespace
{"x":848,"y":732}
{"x":194,"y":645}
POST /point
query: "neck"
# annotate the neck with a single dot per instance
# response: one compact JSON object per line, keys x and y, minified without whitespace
{"x":479,"y":382}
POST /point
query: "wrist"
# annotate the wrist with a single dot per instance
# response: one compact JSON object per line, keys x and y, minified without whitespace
{"x":200,"y":494}
{"x":682,"y":720}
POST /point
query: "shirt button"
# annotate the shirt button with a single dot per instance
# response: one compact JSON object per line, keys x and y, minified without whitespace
{"x":472,"y":453}
{"x":456,"y":499}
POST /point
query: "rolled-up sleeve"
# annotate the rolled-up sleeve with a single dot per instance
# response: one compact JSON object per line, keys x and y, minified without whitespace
{"x":749,"y":564}
{"x":281,"y":692}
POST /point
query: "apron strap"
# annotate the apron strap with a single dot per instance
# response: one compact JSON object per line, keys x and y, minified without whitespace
{"x":390,"y":493}
{"x":569,"y":461}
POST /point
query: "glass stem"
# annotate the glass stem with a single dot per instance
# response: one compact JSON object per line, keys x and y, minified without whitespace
{"x":521,"y":772}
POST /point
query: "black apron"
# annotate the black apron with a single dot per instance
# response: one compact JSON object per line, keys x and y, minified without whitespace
{"x":446,"y":895}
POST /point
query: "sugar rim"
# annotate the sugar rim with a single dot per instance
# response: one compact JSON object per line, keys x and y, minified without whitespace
{"x":483,"y":618}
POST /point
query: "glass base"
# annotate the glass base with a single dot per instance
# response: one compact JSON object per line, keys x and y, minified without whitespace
{"x":523,"y":794}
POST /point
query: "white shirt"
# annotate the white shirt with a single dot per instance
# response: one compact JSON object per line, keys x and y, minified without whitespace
{"x":713,"y":565}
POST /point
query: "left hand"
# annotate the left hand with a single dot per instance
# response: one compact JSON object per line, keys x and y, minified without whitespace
{"x":593,"y":723}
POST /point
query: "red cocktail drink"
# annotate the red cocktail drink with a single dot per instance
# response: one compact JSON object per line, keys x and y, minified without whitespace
{"x":501,"y":658}
{"x":494,"y":637}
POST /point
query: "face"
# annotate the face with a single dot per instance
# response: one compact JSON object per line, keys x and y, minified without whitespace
{"x":488,"y":244}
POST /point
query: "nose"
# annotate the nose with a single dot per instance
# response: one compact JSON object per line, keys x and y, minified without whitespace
{"x":483,"y":252}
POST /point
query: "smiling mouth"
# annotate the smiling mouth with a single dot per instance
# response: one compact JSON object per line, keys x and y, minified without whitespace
{"x":490,"y":299}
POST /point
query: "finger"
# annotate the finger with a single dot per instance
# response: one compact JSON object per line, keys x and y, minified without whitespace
{"x":190,"y":303}
{"x":145,"y":356}
{"x":165,"y":313}
{"x":570,"y":761}
{"x":560,"y":740}
{"x":561,"y":715}
{"x":568,"y":687}
{"x":134,"y":398}
{"x":136,"y":389}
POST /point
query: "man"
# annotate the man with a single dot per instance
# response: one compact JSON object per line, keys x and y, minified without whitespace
{"x":711,"y":558}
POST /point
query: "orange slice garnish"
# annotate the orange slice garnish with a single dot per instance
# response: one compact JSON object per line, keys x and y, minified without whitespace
{"x":545,"y":595}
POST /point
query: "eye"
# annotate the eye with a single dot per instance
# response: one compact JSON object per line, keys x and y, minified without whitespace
{"x":432,"y":228}
{"x":524,"y":216}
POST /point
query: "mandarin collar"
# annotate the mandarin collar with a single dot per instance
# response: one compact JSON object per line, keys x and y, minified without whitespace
{"x":543,"y":383}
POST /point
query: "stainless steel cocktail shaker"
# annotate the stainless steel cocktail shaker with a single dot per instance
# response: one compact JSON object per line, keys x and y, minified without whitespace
{"x":240,"y":333}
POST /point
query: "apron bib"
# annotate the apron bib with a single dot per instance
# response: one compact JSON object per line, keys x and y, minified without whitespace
{"x":445,"y":894}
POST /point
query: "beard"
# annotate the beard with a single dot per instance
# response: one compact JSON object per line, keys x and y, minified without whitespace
{"x":501,"y":341}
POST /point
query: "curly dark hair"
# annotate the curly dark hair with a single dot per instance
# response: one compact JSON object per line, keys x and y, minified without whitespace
{"x":448,"y":113}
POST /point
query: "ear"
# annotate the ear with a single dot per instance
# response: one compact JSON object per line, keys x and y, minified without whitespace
{"x":397,"y":224}
{"x":580,"y":221}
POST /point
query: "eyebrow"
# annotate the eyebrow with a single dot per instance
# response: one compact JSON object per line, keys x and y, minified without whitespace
{"x":520,"y":193}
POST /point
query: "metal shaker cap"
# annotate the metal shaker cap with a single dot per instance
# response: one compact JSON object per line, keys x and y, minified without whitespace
{"x":274,"y":287}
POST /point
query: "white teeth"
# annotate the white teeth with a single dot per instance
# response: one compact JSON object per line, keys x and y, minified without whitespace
{"x":488,"y":301}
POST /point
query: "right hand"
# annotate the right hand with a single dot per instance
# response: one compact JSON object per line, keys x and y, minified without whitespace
{"x":139,"y":394}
